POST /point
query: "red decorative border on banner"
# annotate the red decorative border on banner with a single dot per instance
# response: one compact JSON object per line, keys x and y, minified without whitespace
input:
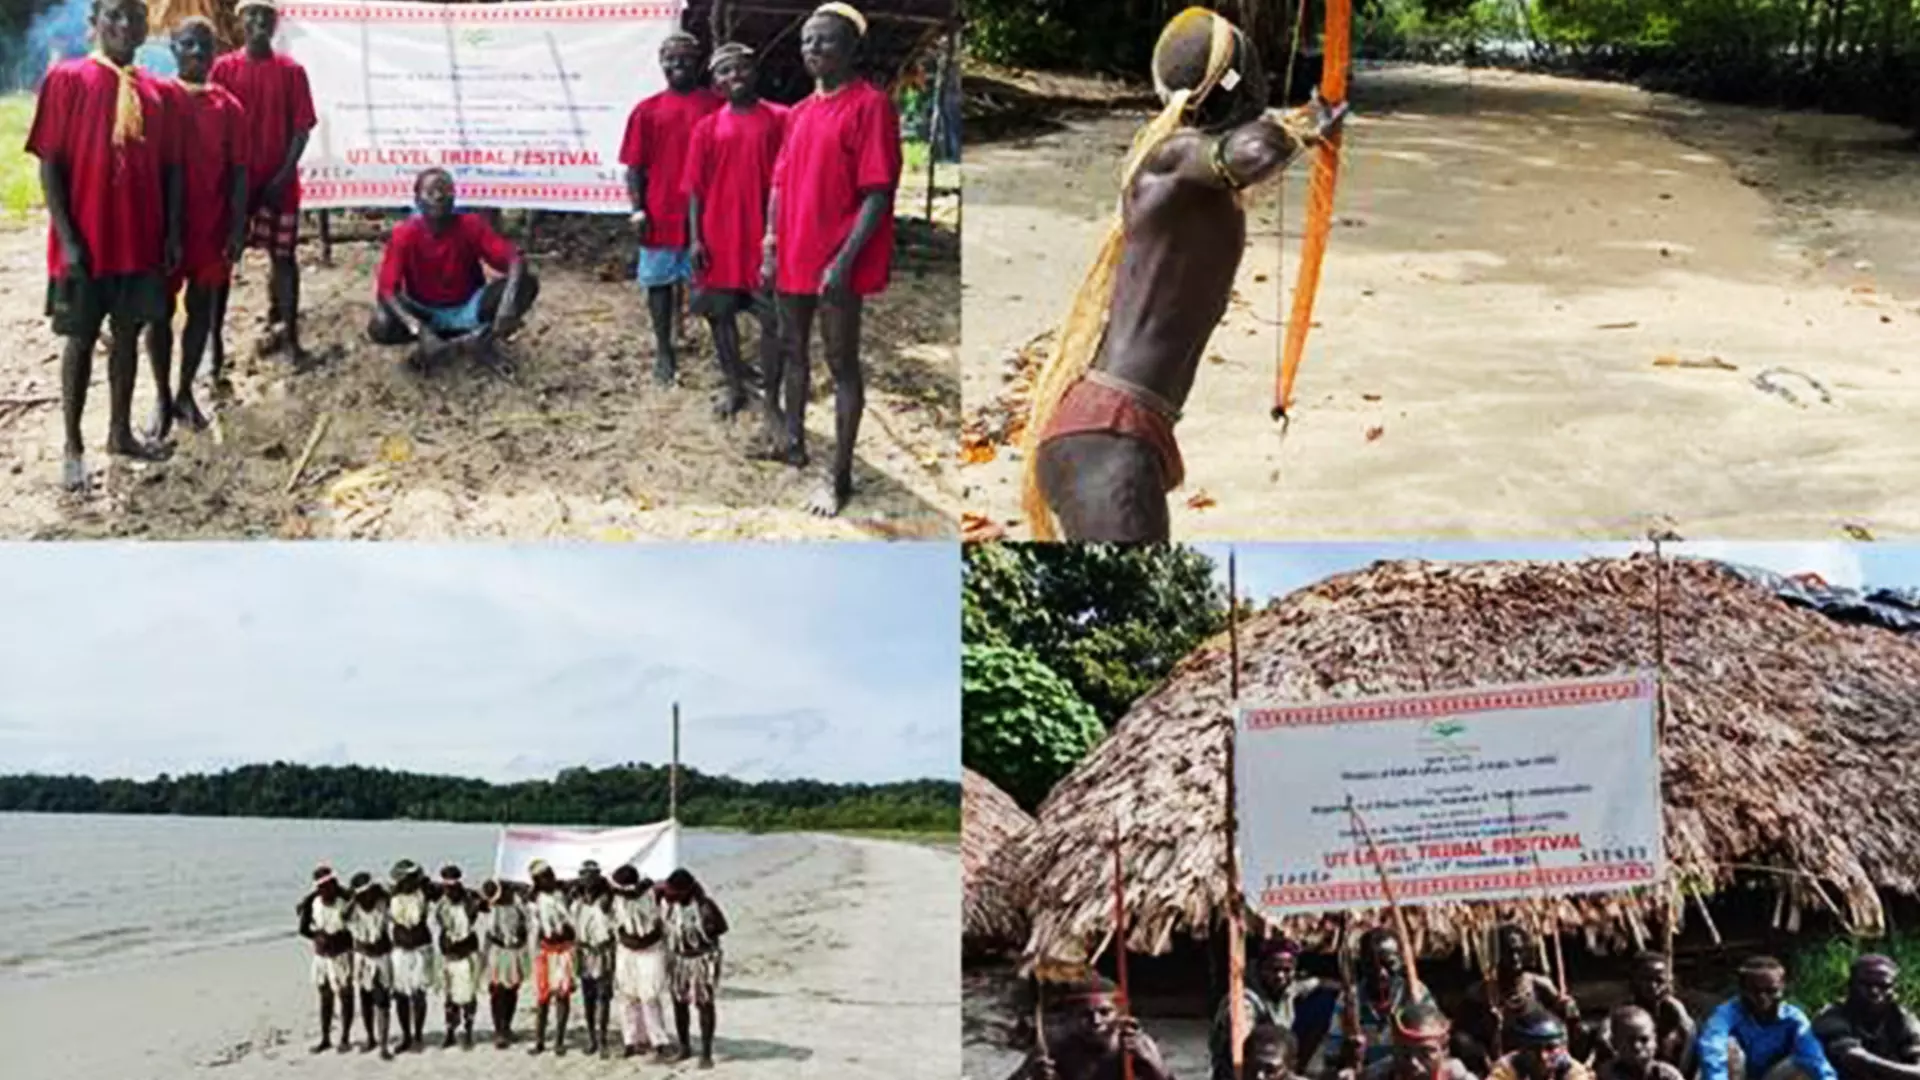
{"x":1420,"y":888}
{"x":486,"y":14}
{"x":402,"y":191}
{"x":1548,"y":695}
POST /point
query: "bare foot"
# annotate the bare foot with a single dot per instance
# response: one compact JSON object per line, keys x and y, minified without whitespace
{"x":127,"y":446}
{"x":664,"y":372}
{"x":73,"y":473}
{"x":706,"y":1061}
{"x":325,"y":1045}
{"x":274,"y":340}
{"x":829,"y":498}
{"x":344,"y":1048}
{"x":728,"y":405}
{"x":187,"y":411}
{"x":160,"y":425}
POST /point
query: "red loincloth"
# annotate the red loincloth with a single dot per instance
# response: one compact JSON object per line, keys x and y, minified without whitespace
{"x":1091,"y":406}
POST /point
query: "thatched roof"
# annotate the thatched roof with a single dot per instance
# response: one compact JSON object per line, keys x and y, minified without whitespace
{"x":1792,"y":741}
{"x":992,"y":826}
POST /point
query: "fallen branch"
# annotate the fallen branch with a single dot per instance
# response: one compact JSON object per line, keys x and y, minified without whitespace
{"x":30,"y":402}
{"x":313,"y":442}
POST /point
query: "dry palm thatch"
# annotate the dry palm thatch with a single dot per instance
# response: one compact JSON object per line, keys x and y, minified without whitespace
{"x":166,"y":15}
{"x":1791,"y":743}
{"x":991,"y":831}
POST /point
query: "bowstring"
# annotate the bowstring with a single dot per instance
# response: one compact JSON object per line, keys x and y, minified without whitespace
{"x":1280,"y":195}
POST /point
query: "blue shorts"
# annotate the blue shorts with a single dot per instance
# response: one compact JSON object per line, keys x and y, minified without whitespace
{"x":663,"y":266}
{"x":454,"y":319}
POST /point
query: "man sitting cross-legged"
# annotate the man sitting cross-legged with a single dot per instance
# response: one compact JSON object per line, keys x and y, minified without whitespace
{"x":432,"y":290}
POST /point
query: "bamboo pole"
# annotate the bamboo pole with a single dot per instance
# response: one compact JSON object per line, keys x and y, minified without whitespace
{"x":1120,"y":941}
{"x":1660,"y":712}
{"x":1236,"y":914}
{"x":1393,"y":905}
{"x":673,"y":775}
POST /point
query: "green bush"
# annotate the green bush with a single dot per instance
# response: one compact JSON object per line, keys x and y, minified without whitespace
{"x":1818,"y":973}
{"x":1024,"y":727}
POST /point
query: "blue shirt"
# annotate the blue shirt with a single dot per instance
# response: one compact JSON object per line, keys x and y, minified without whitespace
{"x":1765,"y":1044}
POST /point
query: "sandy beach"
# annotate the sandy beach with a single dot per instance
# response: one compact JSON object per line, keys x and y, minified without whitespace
{"x":843,"y":962}
{"x":1548,"y":307}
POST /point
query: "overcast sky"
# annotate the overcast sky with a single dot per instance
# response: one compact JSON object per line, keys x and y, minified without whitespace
{"x":1269,"y":570}
{"x":834,"y":661}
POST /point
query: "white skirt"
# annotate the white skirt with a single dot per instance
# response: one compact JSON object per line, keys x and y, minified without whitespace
{"x":333,"y":972}
{"x":640,"y":974}
{"x":372,"y":973}
{"x":460,"y":979}
{"x":410,"y":972}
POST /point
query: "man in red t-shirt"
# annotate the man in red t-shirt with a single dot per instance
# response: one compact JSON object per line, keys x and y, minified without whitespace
{"x":654,"y":150}
{"x":830,"y":244}
{"x":213,"y":133}
{"x":110,"y":175}
{"x":432,"y":289}
{"x":729,"y":176}
{"x":272,"y":88}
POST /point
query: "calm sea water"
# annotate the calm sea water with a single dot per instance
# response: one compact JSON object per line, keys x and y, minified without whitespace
{"x":91,"y":890}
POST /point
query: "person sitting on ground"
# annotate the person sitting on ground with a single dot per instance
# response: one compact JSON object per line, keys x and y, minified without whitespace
{"x":1651,"y":984}
{"x":432,"y":289}
{"x":1269,"y":1053}
{"x":1088,"y":1039}
{"x":1539,"y":1041}
{"x":1514,"y":990}
{"x":1634,"y":1039}
{"x":1270,"y":996}
{"x":1099,"y":444}
{"x":1418,"y":1049}
{"x":1758,"y":1036}
{"x":1870,"y":1036}
{"x":1382,"y":993}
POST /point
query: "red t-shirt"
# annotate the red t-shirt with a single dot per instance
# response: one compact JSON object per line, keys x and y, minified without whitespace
{"x":115,"y":195}
{"x":213,"y":140}
{"x":658,"y":131}
{"x":443,"y":270}
{"x":279,"y":105}
{"x":730,"y":167}
{"x":837,"y":146}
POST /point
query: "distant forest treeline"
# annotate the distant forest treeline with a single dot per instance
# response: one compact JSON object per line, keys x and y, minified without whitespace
{"x":1860,"y":56}
{"x":625,"y":795}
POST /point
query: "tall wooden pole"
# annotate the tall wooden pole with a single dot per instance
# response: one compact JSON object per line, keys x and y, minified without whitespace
{"x":1660,"y":713}
{"x":1236,"y":915}
{"x":673,"y":776}
{"x":1120,"y":939}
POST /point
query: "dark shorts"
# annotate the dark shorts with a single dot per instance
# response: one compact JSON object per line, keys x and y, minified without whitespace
{"x":78,"y":305}
{"x":721,"y":303}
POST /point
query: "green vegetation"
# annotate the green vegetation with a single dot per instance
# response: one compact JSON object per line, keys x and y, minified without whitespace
{"x":19,"y":170}
{"x":1025,"y":728}
{"x":625,"y":795}
{"x":1860,"y":56}
{"x":1060,"y":640}
{"x":1817,"y":974}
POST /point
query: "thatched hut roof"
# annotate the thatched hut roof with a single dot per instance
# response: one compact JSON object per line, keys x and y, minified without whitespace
{"x":1792,"y":741}
{"x":992,"y":827}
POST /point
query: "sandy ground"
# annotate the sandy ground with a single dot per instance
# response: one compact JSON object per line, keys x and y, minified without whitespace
{"x":1549,"y":307}
{"x":843,"y":962}
{"x":575,"y":441}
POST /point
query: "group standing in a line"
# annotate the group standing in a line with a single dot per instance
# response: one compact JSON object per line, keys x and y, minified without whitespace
{"x":381,"y":948}
{"x":155,"y":187}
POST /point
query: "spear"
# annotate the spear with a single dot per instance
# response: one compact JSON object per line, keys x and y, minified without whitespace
{"x":1120,"y":943}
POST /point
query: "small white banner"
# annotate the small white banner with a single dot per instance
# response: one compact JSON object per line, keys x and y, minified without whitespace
{"x":652,"y":849}
{"x":1485,"y":794}
{"x":525,"y":103}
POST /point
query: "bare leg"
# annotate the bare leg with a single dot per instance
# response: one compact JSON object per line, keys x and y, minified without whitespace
{"x":346,"y":1020}
{"x":840,"y":340}
{"x":726,"y":345}
{"x":76,"y":374}
{"x":193,"y":344}
{"x":786,"y":434}
{"x":219,"y":371}
{"x":160,"y":362}
{"x":403,"y":1004}
{"x":660,"y":309}
{"x":419,"y":1021}
{"x":452,"y":1013}
{"x":706,"y":1035}
{"x":681,"y":1019}
{"x":1105,"y":488}
{"x":540,"y":1027}
{"x":466,"y":1024}
{"x":560,"y":1024}
{"x":286,"y":296}
{"x":326,"y":1020}
{"x":386,"y":1027}
{"x":123,"y":368}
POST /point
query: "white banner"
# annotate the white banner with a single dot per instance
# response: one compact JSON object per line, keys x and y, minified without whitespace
{"x":652,"y":849}
{"x":1461,"y":791}
{"x":525,"y":103}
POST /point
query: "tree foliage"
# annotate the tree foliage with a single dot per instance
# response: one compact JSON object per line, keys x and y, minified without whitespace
{"x":1860,"y":56}
{"x":1111,"y":620}
{"x":624,"y":795}
{"x":1025,"y":727}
